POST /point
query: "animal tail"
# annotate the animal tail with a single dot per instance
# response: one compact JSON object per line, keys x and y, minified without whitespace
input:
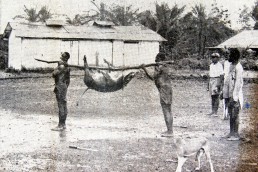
{"x":77,"y":103}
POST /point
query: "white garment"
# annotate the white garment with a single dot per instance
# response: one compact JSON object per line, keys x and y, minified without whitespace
{"x":238,"y":89}
{"x":233,"y":85}
{"x":226,"y":68}
{"x":216,"y":70}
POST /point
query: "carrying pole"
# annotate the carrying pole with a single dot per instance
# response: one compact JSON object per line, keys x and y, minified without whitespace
{"x":113,"y":68}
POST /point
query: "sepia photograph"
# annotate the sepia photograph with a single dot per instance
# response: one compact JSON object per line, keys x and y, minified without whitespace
{"x":128,"y":85}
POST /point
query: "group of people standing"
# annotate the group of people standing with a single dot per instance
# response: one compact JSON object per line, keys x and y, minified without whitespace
{"x":226,"y":83}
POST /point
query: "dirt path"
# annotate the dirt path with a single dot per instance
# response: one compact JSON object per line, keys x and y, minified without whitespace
{"x":116,"y":131}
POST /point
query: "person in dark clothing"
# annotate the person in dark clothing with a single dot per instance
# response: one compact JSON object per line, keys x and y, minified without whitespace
{"x":61,"y":76}
{"x":163,"y":83}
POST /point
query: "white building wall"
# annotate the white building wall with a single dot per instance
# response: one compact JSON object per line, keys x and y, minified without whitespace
{"x":93,"y":49}
{"x":72,"y":47}
{"x":45,"y":49}
{"x":148,"y":51}
{"x":14,"y":52}
{"x":118,"y":53}
{"x":22,"y":52}
{"x":131,"y":54}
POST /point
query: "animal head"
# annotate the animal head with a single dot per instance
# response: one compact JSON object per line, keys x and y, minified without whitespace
{"x":128,"y":78}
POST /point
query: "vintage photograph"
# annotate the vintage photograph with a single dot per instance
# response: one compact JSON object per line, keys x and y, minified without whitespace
{"x":128,"y":86}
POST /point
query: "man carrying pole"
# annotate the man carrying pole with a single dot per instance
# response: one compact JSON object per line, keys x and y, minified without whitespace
{"x":163,"y":83}
{"x":62,"y":80}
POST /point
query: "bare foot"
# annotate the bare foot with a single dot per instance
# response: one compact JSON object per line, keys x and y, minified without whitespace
{"x":228,"y":135}
{"x":59,"y":128}
{"x":210,"y":113}
{"x":214,"y":115}
{"x":233,"y":138}
{"x":167,"y":134}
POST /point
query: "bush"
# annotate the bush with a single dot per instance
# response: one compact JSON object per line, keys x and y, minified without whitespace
{"x":249,"y":64}
{"x":3,"y":56}
{"x":12,"y":70}
{"x":37,"y":70}
{"x":193,"y":63}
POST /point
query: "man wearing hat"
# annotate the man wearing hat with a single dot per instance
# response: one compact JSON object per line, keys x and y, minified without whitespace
{"x":215,"y":82}
{"x":62,"y":80}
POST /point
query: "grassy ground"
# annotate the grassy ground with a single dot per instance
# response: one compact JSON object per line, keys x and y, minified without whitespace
{"x":119,"y":131}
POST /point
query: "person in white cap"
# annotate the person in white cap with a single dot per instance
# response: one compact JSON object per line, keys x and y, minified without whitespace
{"x":216,"y":75}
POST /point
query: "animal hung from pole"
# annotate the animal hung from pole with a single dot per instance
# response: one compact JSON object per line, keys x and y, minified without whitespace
{"x":105,"y":81}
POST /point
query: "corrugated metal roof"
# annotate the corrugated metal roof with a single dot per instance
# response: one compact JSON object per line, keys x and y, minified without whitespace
{"x":244,"y":39}
{"x":134,"y":33}
{"x":54,"y":22}
{"x":103,"y":23}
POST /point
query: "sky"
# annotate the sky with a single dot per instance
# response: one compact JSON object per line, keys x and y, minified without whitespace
{"x":11,"y":8}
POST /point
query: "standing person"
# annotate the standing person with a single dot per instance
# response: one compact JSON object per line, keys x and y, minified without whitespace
{"x":233,"y":88}
{"x":225,"y":98}
{"x":215,"y":82}
{"x":62,"y":80}
{"x":163,"y":83}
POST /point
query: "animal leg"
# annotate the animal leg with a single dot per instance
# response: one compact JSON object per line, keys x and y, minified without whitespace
{"x":198,"y":158}
{"x":85,"y":62}
{"x":88,"y":79}
{"x":181,"y":161}
{"x":207,"y":152}
{"x":109,"y":64}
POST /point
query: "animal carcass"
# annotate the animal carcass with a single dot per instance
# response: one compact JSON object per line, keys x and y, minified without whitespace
{"x":105,"y":82}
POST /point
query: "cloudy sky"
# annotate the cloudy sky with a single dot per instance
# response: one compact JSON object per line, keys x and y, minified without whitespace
{"x":11,"y":8}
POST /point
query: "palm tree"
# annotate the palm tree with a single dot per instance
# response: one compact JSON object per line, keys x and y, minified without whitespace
{"x":32,"y":15}
{"x":44,"y":14}
{"x":164,"y":21}
{"x":147,"y":19}
{"x":211,"y":29}
{"x":119,"y":15}
{"x":201,"y":23}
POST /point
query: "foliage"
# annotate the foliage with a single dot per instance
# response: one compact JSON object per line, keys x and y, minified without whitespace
{"x":164,"y":21}
{"x":44,"y":14}
{"x":255,"y":15}
{"x":249,"y":64}
{"x":245,"y":17}
{"x":193,"y":63}
{"x":119,"y":15}
{"x":3,"y":56}
{"x":188,"y":33}
{"x":79,"y":20}
{"x":211,"y":28}
{"x":32,"y":15}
